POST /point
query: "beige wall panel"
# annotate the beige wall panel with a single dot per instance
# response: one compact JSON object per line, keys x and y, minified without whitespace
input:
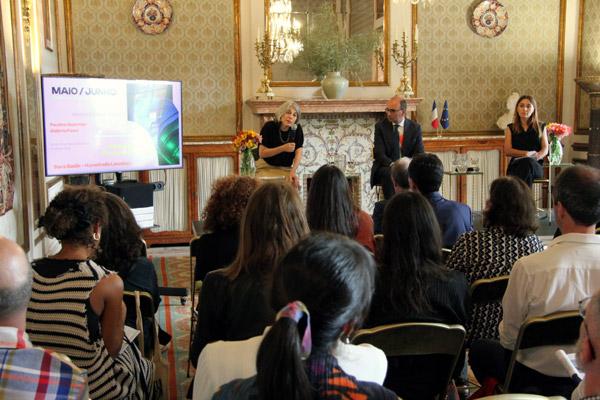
{"x":590,"y":55}
{"x":477,"y":74}
{"x":197,"y":48}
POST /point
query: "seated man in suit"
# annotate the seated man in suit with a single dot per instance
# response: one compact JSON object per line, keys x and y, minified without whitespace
{"x":399,"y":178}
{"x":395,"y":137}
{"x":29,"y":372}
{"x":425,"y":174}
{"x":556,"y":279}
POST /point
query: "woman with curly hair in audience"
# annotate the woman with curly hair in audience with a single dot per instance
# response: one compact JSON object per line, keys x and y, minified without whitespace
{"x":234,"y":304}
{"x":76,"y":306}
{"x":221,"y":221}
{"x":509,"y":222}
{"x":123,"y":250}
{"x":330,"y":207}
{"x":414,"y":286}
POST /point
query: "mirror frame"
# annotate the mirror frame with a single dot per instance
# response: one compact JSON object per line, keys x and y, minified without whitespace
{"x":386,"y":56}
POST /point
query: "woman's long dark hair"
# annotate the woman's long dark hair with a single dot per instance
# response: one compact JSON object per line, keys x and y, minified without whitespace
{"x":329,"y":207}
{"x":511,"y":207}
{"x":272,"y":223}
{"x":412,"y":255}
{"x":334,"y":277}
{"x":121,"y":242}
{"x":533,"y":119}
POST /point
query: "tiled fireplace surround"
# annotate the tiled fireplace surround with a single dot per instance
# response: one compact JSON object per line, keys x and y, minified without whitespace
{"x":333,"y":127}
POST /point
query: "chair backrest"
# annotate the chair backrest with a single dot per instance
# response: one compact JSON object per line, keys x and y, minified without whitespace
{"x":145,"y":311}
{"x":419,"y":339}
{"x":520,"y":396}
{"x":557,"y":329}
{"x":446,"y":252}
{"x":485,"y":291}
{"x":414,"y":338}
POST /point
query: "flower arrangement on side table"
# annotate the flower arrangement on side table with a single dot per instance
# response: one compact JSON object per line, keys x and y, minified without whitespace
{"x":244,"y":142}
{"x":556,"y":133}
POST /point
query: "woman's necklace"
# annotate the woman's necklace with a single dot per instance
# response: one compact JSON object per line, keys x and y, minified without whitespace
{"x":281,"y":136}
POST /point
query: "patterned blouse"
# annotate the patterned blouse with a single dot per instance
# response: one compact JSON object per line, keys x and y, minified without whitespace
{"x":489,"y":253}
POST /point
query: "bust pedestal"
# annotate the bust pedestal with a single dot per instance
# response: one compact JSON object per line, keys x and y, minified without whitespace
{"x":591,"y":84}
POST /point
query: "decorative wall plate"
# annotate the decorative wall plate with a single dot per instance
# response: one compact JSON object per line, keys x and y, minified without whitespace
{"x":489,"y":19}
{"x":152,"y":16}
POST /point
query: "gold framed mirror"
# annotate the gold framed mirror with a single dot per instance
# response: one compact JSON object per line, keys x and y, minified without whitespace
{"x":358,"y":17}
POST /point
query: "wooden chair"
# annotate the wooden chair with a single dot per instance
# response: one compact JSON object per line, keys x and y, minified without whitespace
{"x":418,"y":339}
{"x":557,"y":329}
{"x":140,"y":308}
{"x":195,"y":287}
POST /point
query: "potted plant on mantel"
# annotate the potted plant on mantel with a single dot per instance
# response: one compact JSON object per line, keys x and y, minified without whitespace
{"x":330,"y":52}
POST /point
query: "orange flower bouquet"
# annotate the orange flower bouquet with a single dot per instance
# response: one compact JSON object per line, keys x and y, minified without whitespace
{"x":244,"y":142}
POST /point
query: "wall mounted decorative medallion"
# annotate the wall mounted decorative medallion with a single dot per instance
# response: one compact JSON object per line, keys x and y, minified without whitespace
{"x":152,"y":16}
{"x":489,"y":19}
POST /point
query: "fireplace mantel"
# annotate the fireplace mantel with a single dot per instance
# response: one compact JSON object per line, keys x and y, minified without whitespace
{"x":324,"y":106}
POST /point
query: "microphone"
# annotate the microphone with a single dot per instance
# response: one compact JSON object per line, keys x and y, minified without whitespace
{"x":568,"y":365}
{"x":292,"y":135}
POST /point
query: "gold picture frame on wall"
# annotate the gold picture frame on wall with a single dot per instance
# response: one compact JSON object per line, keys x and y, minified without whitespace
{"x":47,"y":7}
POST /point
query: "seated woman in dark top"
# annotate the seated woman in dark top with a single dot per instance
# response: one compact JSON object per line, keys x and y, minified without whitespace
{"x":217,"y":247}
{"x":122,"y":250}
{"x":414,"y":286}
{"x":234,"y":304}
{"x":280,"y":150}
{"x":526,"y":142}
{"x":509,"y":223}
{"x":330,"y":207}
{"x":326,"y":281}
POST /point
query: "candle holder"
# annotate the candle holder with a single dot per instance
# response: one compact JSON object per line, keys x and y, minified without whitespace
{"x":268,"y":51}
{"x":404,"y":60}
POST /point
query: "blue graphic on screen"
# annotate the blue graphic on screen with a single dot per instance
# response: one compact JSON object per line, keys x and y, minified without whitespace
{"x":152,"y":108}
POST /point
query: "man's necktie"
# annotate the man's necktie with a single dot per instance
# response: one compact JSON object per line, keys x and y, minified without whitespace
{"x":400,"y":136}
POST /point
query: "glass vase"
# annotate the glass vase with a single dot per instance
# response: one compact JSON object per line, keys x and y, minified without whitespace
{"x":247,"y":164}
{"x":556,"y":151}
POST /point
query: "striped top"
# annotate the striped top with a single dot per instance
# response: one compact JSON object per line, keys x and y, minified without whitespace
{"x":59,"y":317}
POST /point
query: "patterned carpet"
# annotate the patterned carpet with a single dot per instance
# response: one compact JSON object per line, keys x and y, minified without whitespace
{"x":175,"y":319}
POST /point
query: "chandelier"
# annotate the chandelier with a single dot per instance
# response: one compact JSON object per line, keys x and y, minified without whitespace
{"x":285,"y":30}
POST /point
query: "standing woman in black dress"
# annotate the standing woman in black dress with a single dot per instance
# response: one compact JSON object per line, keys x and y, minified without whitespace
{"x":281,"y":148}
{"x":526,"y":142}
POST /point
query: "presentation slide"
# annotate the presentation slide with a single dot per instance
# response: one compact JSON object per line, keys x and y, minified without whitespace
{"x":95,"y":125}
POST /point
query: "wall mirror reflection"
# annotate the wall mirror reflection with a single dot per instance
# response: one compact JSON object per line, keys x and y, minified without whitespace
{"x":304,"y":27}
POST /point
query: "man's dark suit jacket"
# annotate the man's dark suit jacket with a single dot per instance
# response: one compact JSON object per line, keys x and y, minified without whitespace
{"x":387,"y":147}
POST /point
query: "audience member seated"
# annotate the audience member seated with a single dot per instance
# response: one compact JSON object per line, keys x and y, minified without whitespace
{"x":23,"y":367}
{"x":543,"y":283}
{"x":399,"y":177}
{"x":425,"y":174}
{"x":587,"y":350}
{"x":222,"y":361}
{"x":122,"y":250}
{"x":217,"y":247}
{"x":327,"y":281}
{"x":414,"y":286}
{"x":330,"y":207}
{"x":526,"y":142}
{"x":509,"y":222}
{"x":234,"y":301}
{"x":70,"y":287}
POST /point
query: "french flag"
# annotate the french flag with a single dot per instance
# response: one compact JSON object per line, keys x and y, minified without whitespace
{"x":435,"y":122}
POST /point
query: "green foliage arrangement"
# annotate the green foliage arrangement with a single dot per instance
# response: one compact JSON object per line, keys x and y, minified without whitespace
{"x":328,"y":48}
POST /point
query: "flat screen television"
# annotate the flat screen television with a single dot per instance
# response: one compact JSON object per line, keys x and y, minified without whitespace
{"x":96,"y":125}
